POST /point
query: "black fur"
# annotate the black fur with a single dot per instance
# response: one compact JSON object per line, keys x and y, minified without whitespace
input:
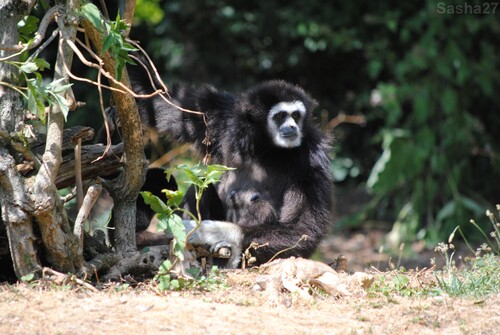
{"x":292,"y":185}
{"x":156,"y":181}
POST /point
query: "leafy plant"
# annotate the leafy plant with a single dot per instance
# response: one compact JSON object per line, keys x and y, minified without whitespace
{"x":401,"y":283}
{"x":200,"y":177}
{"x":114,"y":43}
{"x":430,"y":124}
{"x":39,"y":94}
{"x":209,"y":282}
{"x":27,"y":28}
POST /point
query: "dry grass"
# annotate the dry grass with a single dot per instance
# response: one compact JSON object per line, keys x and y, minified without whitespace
{"x":43,"y":308}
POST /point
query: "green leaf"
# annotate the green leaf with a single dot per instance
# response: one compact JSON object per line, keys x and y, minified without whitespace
{"x":449,"y":101}
{"x":446,"y":211}
{"x":164,"y":282}
{"x":32,"y":107}
{"x":400,"y":281}
{"x":472,"y":205}
{"x":27,"y":278}
{"x":41,"y":63}
{"x":174,"y":197}
{"x":396,"y":162}
{"x":56,"y":86}
{"x":129,"y":47}
{"x":27,"y":27}
{"x":108,"y":42}
{"x":36,"y":97}
{"x":175,"y":284}
{"x":119,"y":69}
{"x":92,"y":13}
{"x":60,"y":101}
{"x":218,"y":168}
{"x":174,"y":225}
{"x":193,"y":177}
{"x":165,"y":266}
{"x":156,"y":204}
{"x":28,"y":67}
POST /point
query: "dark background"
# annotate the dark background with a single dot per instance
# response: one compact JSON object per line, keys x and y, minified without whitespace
{"x":425,"y":76}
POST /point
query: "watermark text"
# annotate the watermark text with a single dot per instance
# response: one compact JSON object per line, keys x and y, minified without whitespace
{"x":466,"y":8}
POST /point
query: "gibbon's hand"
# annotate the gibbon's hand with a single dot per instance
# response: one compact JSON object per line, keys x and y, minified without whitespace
{"x":217,"y":235}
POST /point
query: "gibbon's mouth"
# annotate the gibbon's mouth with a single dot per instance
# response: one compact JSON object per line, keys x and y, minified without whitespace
{"x":289,"y":135}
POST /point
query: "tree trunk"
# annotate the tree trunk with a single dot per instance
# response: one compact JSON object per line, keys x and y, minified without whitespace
{"x":124,"y":189}
{"x":23,"y":199}
{"x":28,"y":200}
{"x":60,"y":244}
{"x":15,"y":206}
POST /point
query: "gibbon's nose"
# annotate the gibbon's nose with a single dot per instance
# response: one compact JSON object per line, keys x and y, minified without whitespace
{"x":288,"y":131}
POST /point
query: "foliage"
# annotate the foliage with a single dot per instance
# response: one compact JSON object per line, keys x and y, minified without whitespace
{"x":434,"y":120}
{"x":209,"y":282}
{"x":425,"y":81}
{"x":200,"y":177}
{"x":40,"y":94}
{"x":27,"y":28}
{"x":490,"y":245}
{"x":149,"y":11}
{"x":114,"y":43}
{"x":479,"y":278}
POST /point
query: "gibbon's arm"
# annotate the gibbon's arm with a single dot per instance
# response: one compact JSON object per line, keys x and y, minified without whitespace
{"x":297,"y":232}
{"x":218,"y":234}
{"x":183,"y":126}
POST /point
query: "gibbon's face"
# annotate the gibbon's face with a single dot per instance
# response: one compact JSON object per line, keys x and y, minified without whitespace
{"x":284,"y":123}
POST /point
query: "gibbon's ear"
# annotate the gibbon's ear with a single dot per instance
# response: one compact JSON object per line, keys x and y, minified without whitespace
{"x":211,"y":99}
{"x":311,"y":105}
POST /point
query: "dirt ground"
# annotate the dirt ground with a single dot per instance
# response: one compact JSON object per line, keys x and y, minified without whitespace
{"x":235,"y":311}
{"x":240,"y":309}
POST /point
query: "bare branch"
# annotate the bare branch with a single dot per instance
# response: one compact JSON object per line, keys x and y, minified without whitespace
{"x":104,"y":9}
{"x":15,"y":208}
{"x":44,"y":44}
{"x":93,"y":193}
{"x":343,"y":118}
{"x":61,"y":247}
{"x":127,"y":185}
{"x":78,"y":174}
{"x":151,"y":64}
{"x":63,"y":279}
{"x":169,"y":156}
{"x":124,"y":89}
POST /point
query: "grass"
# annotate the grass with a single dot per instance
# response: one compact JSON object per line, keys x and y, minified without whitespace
{"x":480,"y":278}
{"x":477,"y":278}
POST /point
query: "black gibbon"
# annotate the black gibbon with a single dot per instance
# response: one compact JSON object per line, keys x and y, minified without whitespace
{"x":281,"y":187}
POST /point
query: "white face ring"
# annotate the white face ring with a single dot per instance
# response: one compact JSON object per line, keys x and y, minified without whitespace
{"x":289,"y":108}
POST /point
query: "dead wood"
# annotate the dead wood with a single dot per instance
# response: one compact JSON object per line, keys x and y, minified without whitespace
{"x":96,"y":161}
{"x":136,"y":264}
{"x":91,"y":169}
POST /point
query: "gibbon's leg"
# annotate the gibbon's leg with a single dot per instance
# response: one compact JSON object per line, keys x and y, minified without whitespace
{"x":218,"y":234}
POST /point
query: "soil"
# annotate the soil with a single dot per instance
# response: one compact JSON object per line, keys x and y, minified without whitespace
{"x":46,"y":308}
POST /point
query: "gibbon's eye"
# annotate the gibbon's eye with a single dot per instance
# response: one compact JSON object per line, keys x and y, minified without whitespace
{"x":296,"y":116}
{"x":280,"y":116}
